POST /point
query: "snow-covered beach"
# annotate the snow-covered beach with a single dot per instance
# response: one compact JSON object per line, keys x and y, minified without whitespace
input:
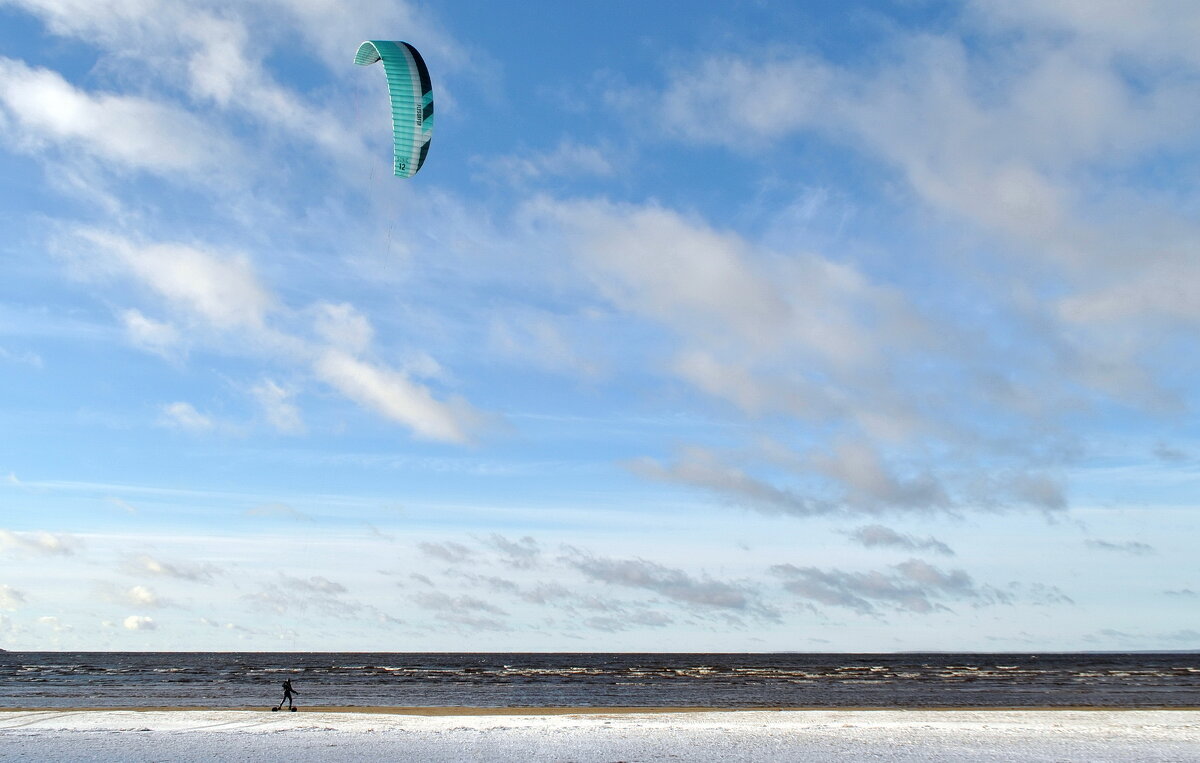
{"x":579,"y":734}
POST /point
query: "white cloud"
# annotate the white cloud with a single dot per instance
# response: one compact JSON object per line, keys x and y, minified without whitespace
{"x":870,"y":484}
{"x":149,"y":334}
{"x":331,"y":31}
{"x":568,"y":158}
{"x":750,"y":391}
{"x":343,"y":327}
{"x":1166,"y":290}
{"x":1159,"y":31}
{"x":104,"y":18}
{"x":24,"y":358}
{"x":1017,"y":135}
{"x":40,"y":542}
{"x":218,"y":53}
{"x":139,"y":596}
{"x":181,"y":415}
{"x":127,"y":131}
{"x":11,"y":598}
{"x":653,"y":262}
{"x":1035,"y":139}
{"x":142,"y":596}
{"x":55,"y":624}
{"x":394,"y":395}
{"x":195,"y":573}
{"x":754,"y":102}
{"x":122,"y":504}
{"x":276,"y":403}
{"x":221,"y":290}
{"x":140,"y":623}
{"x":225,"y":68}
{"x":539,"y":340}
{"x":720,"y":291}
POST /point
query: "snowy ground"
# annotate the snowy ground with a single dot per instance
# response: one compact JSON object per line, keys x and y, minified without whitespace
{"x":790,"y":735}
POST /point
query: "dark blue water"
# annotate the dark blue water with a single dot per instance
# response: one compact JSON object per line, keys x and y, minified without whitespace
{"x":58,"y":679}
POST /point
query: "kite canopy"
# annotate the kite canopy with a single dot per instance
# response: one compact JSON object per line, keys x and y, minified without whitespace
{"x":412,"y":99}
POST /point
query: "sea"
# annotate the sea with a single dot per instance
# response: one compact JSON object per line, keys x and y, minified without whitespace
{"x":253,"y":679}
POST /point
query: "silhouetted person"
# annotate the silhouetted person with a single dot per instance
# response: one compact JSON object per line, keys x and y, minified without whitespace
{"x":288,"y":691}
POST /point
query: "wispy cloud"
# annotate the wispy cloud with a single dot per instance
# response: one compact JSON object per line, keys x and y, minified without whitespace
{"x":1131,"y":547}
{"x":876,"y":536}
{"x":451,"y":552}
{"x":281,"y":413}
{"x":122,"y":504}
{"x":1040,"y":594}
{"x":647,"y":618}
{"x":674,"y":584}
{"x":521,"y":554}
{"x":143,"y":564}
{"x":158,"y":337}
{"x":1170,"y":454}
{"x":568,"y":158}
{"x":41,"y":542}
{"x":702,"y":469}
{"x":279,"y":511}
{"x":1185,"y":636}
{"x":139,"y":596}
{"x":465,"y":611}
{"x":314,"y":584}
{"x":25,"y":357}
{"x":912,"y":586}
{"x":222,"y":299}
{"x":393,"y":394}
{"x":302,"y":594}
{"x":55,"y":623}
{"x":11,"y":598}
{"x":183,"y":415}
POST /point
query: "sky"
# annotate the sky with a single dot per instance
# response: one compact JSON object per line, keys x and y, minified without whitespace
{"x":706,"y":326}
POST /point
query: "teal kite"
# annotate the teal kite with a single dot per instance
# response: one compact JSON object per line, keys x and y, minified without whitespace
{"x":412,"y":99}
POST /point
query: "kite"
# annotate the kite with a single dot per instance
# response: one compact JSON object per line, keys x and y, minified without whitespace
{"x":411,"y":96}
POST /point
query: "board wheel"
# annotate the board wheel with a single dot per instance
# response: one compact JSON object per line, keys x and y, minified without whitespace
{"x":274,"y":710}
{"x":293,"y":709}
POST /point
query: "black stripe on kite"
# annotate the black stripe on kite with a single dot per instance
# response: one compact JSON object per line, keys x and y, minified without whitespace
{"x":422,"y":71}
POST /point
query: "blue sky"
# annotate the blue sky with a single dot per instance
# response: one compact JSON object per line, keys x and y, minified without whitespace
{"x":706,"y":326}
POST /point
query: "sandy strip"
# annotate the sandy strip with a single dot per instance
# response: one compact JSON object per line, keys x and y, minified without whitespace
{"x":601,"y":735}
{"x":591,"y":710}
